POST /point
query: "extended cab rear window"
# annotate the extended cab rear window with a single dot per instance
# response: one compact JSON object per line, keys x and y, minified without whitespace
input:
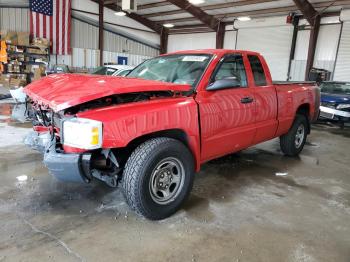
{"x":258,"y":70}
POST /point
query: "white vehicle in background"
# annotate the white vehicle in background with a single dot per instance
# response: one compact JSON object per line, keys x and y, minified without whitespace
{"x":113,"y":70}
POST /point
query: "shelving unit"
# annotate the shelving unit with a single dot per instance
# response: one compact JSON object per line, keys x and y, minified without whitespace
{"x":21,"y":57}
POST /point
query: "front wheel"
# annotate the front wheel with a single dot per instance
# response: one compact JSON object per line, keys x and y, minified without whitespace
{"x":158,"y":177}
{"x":293,"y":142}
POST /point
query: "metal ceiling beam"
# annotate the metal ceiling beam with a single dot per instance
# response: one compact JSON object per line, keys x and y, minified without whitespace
{"x":220,"y":36}
{"x":152,"y":5}
{"x":307,"y":9}
{"x":164,"y":42}
{"x":211,"y":7}
{"x":146,"y":22}
{"x":208,"y":20}
{"x":198,"y":13}
{"x":269,"y":11}
{"x":205,"y":7}
{"x":108,"y":2}
{"x":142,"y":20}
{"x":190,"y":31}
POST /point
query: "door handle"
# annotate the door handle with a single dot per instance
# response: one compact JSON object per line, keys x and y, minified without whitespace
{"x":247,"y":100}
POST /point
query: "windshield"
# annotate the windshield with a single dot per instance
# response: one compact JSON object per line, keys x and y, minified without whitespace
{"x":123,"y":72}
{"x":103,"y":70}
{"x":336,"y":88}
{"x":180,"y":69}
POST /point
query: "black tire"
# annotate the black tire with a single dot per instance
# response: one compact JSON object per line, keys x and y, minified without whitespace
{"x":288,"y":143}
{"x":138,"y":172}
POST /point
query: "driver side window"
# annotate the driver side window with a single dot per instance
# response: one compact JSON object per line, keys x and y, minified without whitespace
{"x":232,"y":67}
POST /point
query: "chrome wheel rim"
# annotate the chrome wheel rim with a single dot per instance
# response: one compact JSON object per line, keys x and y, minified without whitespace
{"x":299,"y":136}
{"x":167,"y":180}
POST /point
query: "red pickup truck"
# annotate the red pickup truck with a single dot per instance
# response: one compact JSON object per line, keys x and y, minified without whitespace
{"x":151,"y":131}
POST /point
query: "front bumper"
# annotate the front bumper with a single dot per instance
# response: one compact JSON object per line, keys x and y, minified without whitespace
{"x":65,"y":167}
{"x":334,"y":114}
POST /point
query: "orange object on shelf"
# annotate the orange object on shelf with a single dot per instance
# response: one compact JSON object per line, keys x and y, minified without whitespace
{"x":3,"y":52}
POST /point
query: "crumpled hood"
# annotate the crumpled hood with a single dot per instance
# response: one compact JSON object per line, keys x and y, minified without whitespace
{"x":61,"y":91}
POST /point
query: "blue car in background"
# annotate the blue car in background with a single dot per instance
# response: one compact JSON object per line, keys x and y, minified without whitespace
{"x":335,"y":101}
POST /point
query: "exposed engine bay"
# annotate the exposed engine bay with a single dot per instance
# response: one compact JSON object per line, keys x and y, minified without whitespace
{"x":44,"y":116}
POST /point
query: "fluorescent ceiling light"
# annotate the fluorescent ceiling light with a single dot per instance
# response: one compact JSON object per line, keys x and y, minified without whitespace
{"x":243,"y":18}
{"x":168,"y":25}
{"x":120,"y":13}
{"x":196,"y":2}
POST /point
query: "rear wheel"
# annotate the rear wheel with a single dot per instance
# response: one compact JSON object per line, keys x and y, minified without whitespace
{"x":293,"y":142}
{"x":158,"y":177}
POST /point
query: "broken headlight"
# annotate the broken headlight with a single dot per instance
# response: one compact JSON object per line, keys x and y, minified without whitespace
{"x":82,"y":133}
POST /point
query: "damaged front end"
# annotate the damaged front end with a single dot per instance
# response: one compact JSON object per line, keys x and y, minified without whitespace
{"x":72,"y":146}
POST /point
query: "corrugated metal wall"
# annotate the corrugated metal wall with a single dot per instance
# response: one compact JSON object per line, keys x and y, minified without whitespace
{"x":342,"y":68}
{"x":119,"y":44}
{"x":230,"y":40}
{"x":191,"y":41}
{"x":14,"y":19}
{"x":84,"y":43}
{"x":84,"y":35}
{"x":89,"y":58}
{"x":325,"y":53}
{"x":273,"y":42}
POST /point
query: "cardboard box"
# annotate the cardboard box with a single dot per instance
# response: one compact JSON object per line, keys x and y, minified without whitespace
{"x":23,"y":38}
{"x":16,"y":82}
{"x":37,"y":51}
{"x":42,"y":43}
{"x":11,"y":37}
{"x":39,"y":72}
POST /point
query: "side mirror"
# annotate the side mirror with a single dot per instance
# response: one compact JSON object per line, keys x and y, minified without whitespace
{"x":228,"y":82}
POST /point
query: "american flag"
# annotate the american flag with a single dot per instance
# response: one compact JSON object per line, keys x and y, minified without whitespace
{"x":51,"y":19}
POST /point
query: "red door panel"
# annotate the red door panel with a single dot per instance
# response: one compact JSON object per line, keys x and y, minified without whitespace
{"x":227,"y":124}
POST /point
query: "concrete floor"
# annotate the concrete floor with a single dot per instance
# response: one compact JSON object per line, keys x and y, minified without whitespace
{"x":239,"y":210}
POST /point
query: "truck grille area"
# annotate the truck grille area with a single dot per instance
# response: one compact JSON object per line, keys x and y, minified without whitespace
{"x":45,"y":119}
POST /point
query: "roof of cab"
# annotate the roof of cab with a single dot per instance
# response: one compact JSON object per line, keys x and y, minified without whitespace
{"x":212,"y":52}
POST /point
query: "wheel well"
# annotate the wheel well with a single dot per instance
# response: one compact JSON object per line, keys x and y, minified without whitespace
{"x":304,"y":110}
{"x":123,"y":154}
{"x":177,"y":134}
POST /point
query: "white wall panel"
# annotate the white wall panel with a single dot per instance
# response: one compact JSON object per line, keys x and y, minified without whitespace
{"x":133,"y":60}
{"x":191,"y":41}
{"x":84,"y":35}
{"x":298,"y":65}
{"x":14,"y":19}
{"x":116,"y":43}
{"x":90,"y":58}
{"x":345,"y":15}
{"x":230,"y":39}
{"x":327,"y":42}
{"x":342,"y":67}
{"x":273,"y":43}
{"x":326,"y":48}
